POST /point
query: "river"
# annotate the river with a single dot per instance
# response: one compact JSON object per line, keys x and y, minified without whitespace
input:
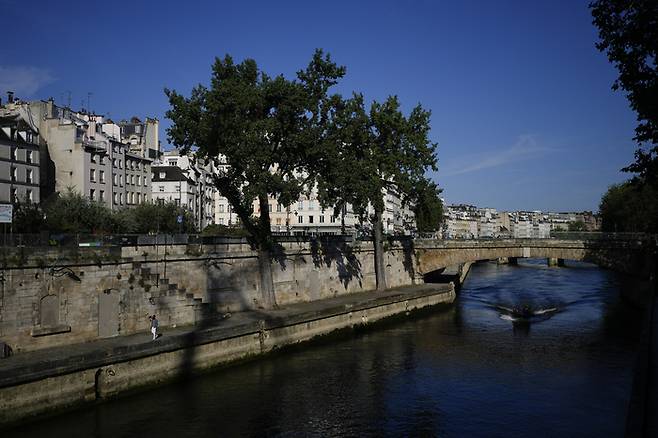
{"x":525,"y":350}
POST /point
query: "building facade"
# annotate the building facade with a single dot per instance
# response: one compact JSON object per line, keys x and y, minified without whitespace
{"x":19,"y":157}
{"x":84,"y":153}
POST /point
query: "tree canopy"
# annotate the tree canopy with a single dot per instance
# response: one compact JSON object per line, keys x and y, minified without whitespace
{"x":628,"y":32}
{"x":372,"y":153}
{"x":267,"y":129}
{"x":265,"y":136}
{"x":71,"y":212}
{"x":630,"y":207}
{"x":427,"y":207}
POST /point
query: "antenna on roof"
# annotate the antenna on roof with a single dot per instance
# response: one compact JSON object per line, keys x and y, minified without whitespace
{"x":89,"y":94}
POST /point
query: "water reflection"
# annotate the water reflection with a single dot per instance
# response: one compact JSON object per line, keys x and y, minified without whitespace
{"x":461,"y":372}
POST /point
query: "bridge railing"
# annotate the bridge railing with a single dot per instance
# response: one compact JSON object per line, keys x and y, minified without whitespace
{"x":597,"y":235}
{"x":118,"y":240}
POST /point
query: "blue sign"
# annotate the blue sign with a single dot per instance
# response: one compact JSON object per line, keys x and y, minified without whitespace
{"x":180,"y":219}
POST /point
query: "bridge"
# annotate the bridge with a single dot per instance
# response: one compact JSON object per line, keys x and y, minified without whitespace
{"x":629,"y":255}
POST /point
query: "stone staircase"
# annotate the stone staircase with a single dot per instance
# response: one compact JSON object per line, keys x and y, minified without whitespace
{"x":159,"y":287}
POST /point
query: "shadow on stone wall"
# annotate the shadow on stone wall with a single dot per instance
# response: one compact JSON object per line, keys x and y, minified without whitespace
{"x":326,"y":251}
{"x":408,"y":253}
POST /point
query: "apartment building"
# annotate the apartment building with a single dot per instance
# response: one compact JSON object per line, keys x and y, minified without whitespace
{"x":85,"y":153}
{"x":191,"y":186}
{"x":19,"y":156}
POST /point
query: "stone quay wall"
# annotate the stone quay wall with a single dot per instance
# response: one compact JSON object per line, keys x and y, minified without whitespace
{"x":59,"y":296}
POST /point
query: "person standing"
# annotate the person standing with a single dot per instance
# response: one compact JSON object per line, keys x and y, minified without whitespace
{"x":154,"y":326}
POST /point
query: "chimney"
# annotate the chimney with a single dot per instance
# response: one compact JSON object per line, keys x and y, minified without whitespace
{"x":50,"y":108}
{"x":10,"y":97}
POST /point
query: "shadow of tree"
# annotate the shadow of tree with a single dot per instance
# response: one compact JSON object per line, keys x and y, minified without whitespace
{"x":327,"y":250}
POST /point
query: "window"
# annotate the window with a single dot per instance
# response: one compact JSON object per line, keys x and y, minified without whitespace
{"x":28,"y":157}
{"x":92,"y":175}
{"x":14,"y":153}
{"x":92,"y":192}
{"x":121,"y":180}
{"x":14,"y":195}
{"x":321,"y":219}
{"x":310,"y":219}
{"x":300,"y":219}
{"x":120,"y":166}
{"x":114,"y":162}
{"x":101,"y":196}
{"x":115,"y":179}
{"x":139,"y":180}
{"x":130,"y":196}
{"x":28,"y":195}
{"x":300,"y":206}
{"x":28,"y":176}
{"x":278,"y":208}
{"x":278,"y":221}
{"x":102,"y":160}
{"x":116,"y":198}
{"x":101,"y":175}
{"x":92,"y":158}
{"x":173,"y":162}
{"x":221,"y":208}
{"x":14,"y":174}
{"x":311,"y":205}
{"x":161,"y":188}
{"x":139,"y":198}
{"x":121,"y":198}
{"x":333,"y":219}
{"x":269,"y":207}
{"x":162,"y":175}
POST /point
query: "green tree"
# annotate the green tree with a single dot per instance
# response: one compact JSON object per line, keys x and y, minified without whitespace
{"x":628,"y":32}
{"x":371,"y":152}
{"x":577,"y":226}
{"x":268,"y":129}
{"x":155,"y":217}
{"x":427,"y":206}
{"x":71,"y":212}
{"x":28,"y":217}
{"x":630,"y":207}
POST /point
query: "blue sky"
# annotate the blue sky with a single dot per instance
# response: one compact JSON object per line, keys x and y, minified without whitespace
{"x":521,"y":103}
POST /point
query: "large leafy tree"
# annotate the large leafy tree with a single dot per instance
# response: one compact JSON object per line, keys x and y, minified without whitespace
{"x":370,"y":152}
{"x":269,"y":130}
{"x":628,"y":32}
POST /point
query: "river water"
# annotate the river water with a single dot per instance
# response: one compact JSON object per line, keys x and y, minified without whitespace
{"x":526,"y":350}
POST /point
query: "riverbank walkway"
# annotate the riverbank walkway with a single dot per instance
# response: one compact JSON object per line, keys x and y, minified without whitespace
{"x":30,"y":366}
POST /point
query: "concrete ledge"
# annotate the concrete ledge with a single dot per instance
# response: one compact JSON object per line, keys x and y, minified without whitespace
{"x":53,"y":330}
{"x":41,"y":382}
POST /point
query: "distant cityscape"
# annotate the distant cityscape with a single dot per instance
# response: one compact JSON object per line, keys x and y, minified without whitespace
{"x":469,"y":222}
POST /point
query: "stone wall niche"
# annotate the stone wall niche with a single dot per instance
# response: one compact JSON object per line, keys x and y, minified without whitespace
{"x":49,"y":318}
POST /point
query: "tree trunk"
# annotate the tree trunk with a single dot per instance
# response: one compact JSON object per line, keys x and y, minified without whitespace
{"x":266,"y":280}
{"x":380,"y":269}
{"x":264,"y":255}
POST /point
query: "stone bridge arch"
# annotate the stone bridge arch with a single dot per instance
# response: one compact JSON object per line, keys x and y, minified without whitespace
{"x":627,"y":256}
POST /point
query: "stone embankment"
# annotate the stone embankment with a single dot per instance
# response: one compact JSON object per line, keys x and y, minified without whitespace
{"x":46,"y":380}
